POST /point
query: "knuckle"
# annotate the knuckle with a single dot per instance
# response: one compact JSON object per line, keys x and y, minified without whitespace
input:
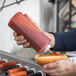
{"x":25,"y":40}
{"x":24,"y":46}
{"x":16,"y":38}
{"x":18,"y":43}
{"x":21,"y":37}
{"x":28,"y":44}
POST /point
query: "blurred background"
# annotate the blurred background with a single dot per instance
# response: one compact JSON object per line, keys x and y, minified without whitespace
{"x":50,"y":15}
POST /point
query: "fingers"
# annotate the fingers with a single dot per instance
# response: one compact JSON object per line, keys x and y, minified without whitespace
{"x":15,"y":34}
{"x":50,"y":69}
{"x":50,"y":66}
{"x":21,"y":42}
{"x":26,"y":45}
{"x":19,"y":38}
{"x":50,"y":72}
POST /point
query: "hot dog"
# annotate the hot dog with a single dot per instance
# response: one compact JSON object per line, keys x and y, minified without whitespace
{"x":45,"y":59}
{"x":5,"y":65}
{"x":1,"y":61}
{"x":21,"y":73}
{"x":16,"y":70}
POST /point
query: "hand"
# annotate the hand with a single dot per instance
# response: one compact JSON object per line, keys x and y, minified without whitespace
{"x":60,"y":68}
{"x":74,"y":3}
{"x":21,"y":40}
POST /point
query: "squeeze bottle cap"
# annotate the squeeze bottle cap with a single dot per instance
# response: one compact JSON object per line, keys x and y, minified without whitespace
{"x":47,"y":48}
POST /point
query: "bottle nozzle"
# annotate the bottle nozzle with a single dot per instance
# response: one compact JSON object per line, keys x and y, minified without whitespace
{"x":47,"y":49}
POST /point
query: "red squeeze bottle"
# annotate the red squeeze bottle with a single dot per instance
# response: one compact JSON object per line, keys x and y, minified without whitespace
{"x":23,"y":26}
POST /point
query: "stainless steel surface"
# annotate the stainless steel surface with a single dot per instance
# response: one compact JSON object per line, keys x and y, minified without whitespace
{"x":23,"y":62}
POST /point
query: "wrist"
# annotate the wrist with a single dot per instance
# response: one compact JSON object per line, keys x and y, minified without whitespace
{"x":52,"y":43}
{"x":52,"y":37}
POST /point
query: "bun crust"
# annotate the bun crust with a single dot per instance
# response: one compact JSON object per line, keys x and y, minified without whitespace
{"x":41,"y":60}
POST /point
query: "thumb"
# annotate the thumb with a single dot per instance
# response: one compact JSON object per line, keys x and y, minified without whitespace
{"x":50,"y":66}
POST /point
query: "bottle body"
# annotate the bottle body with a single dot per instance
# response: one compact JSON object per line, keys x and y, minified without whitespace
{"x":20,"y":24}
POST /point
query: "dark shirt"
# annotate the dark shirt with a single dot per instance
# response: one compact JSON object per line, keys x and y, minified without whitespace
{"x":65,"y":41}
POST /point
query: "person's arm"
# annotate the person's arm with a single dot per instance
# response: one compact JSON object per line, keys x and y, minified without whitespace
{"x":59,"y":41}
{"x":65,"y":41}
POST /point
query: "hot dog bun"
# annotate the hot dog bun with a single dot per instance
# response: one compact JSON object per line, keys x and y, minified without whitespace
{"x":45,"y":59}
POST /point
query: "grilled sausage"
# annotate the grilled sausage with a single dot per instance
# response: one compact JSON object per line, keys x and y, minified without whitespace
{"x":16,"y":70}
{"x":1,"y":62}
{"x":21,"y":73}
{"x":5,"y":65}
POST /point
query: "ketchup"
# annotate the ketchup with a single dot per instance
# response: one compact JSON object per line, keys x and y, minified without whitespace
{"x":53,"y":54}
